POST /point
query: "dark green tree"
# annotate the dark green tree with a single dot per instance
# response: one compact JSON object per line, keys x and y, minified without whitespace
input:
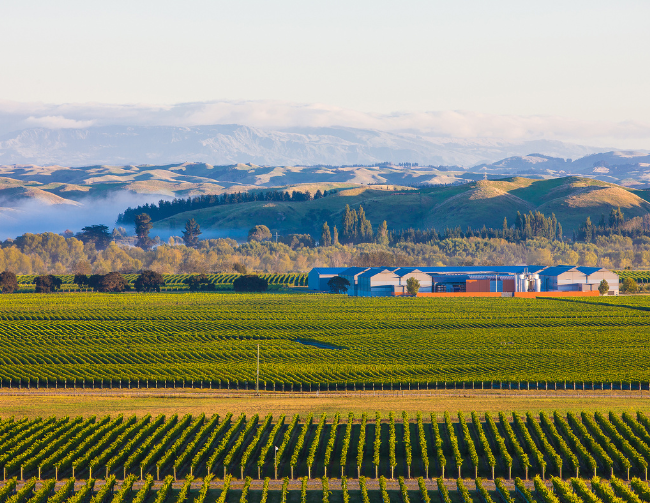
{"x":81,"y":280}
{"x":382,"y":234}
{"x":603,"y":288}
{"x":8,"y":282}
{"x":113,"y":282}
{"x":142,"y":227}
{"x":587,"y":231}
{"x":349,"y":225}
{"x":199,"y":282}
{"x":616,"y":218}
{"x":630,"y":286}
{"x":250,"y":283}
{"x":191,"y":233}
{"x":335,"y":236}
{"x":149,"y":281}
{"x":364,"y":231}
{"x":325,"y":236}
{"x":47,"y":283}
{"x":97,"y":234}
{"x":412,"y":286}
{"x":337,"y":284}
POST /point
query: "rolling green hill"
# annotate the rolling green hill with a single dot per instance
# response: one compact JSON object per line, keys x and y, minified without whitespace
{"x":474,"y":204}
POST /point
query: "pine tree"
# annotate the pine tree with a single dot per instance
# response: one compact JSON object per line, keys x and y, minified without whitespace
{"x":325,"y":237}
{"x":142,"y":227}
{"x":191,"y":233}
{"x":335,"y":236}
{"x":588,"y":230}
{"x":364,"y":227}
{"x":349,"y":224}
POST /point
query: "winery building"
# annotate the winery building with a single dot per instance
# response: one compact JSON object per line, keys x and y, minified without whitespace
{"x":505,"y":281}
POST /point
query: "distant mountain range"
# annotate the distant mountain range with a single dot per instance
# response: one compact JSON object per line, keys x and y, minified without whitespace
{"x":233,"y":144}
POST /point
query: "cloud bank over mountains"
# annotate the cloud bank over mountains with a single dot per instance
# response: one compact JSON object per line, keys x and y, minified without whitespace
{"x":278,"y":115}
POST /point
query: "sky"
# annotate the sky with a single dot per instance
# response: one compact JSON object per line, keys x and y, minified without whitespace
{"x":574,"y":69}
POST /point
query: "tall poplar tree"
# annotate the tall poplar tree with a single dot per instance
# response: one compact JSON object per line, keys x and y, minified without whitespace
{"x":325,"y":237}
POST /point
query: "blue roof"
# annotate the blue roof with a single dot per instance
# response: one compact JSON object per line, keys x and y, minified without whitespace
{"x":512,"y":269}
{"x":373,"y":271}
{"x":403,"y":271}
{"x":328,"y":270}
{"x":351,"y":271}
{"x":557,"y":270}
{"x":589,"y":270}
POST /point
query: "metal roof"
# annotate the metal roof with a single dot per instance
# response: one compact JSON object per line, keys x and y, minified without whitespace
{"x":558,"y":269}
{"x":328,"y":270}
{"x":352,"y":271}
{"x":374,"y":271}
{"x":590,"y":270}
{"x":403,"y":271}
{"x":512,"y":269}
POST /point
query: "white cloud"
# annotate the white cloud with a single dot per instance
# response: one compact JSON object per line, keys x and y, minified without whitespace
{"x":58,"y":122}
{"x":283,"y":115}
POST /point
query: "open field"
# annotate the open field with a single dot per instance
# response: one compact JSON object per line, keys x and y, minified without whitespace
{"x":34,"y":403}
{"x":323,"y":342}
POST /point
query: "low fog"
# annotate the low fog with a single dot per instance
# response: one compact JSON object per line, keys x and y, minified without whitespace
{"x":36,"y":216}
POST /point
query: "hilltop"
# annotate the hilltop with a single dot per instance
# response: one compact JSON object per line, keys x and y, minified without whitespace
{"x":483,"y":202}
{"x":36,"y":198}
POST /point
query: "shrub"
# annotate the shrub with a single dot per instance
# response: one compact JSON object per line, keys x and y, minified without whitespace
{"x":149,"y":281}
{"x":250,"y":283}
{"x":8,"y":282}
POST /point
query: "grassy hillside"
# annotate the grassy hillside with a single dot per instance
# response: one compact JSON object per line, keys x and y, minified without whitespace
{"x":486,"y":202}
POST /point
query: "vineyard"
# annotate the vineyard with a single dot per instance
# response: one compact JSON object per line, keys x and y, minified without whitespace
{"x":638,"y":276}
{"x":326,"y":342}
{"x":175,"y":282}
{"x":504,"y":446}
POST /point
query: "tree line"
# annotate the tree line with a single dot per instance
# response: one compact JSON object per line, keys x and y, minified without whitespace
{"x":165,"y":209}
{"x":115,"y":282}
{"x":533,"y":225}
{"x":614,"y":225}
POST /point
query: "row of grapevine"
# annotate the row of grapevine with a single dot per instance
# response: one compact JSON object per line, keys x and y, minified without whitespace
{"x":611,"y":442}
{"x":197,"y":340}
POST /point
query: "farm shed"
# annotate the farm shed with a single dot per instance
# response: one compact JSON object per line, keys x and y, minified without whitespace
{"x":508,"y":280}
{"x":568,"y":278}
{"x":595,"y":275}
{"x":319,"y":276}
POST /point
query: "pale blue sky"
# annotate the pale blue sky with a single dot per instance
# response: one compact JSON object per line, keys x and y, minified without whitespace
{"x":587,"y":60}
